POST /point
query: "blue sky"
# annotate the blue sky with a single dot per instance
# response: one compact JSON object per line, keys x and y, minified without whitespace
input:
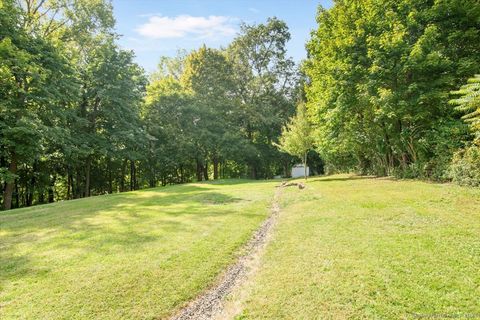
{"x":154,"y":28}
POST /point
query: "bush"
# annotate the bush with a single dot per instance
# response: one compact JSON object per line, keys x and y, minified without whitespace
{"x":465,"y":168}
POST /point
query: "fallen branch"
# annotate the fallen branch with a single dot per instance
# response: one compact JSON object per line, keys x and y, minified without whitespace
{"x":284,"y":184}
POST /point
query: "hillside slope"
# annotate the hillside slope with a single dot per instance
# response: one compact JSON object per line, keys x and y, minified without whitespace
{"x":343,"y":247}
{"x":134,"y":255}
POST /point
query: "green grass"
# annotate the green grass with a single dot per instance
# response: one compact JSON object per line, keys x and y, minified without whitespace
{"x":344,"y":247}
{"x":371,"y":249}
{"x":136,"y":255}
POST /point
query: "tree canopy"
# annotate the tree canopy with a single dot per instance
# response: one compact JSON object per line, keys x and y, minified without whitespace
{"x":380,"y":73}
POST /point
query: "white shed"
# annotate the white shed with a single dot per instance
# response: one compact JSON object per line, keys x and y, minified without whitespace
{"x":298,"y":171}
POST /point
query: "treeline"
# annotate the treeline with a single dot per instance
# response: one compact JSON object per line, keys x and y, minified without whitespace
{"x":215,"y":113}
{"x":78,"y":117}
{"x":70,"y":102}
{"x":381,"y":74}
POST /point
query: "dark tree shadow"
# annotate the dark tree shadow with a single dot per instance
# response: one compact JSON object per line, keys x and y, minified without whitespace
{"x":155,"y":209}
{"x":349,"y":178}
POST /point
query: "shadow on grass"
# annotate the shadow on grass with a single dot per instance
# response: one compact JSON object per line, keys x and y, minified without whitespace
{"x":200,"y":185}
{"x":13,"y":267}
{"x":349,"y":178}
{"x":230,"y":182}
{"x":64,"y":213}
{"x":105,"y":224}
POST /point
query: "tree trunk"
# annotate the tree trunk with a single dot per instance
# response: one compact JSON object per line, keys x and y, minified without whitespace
{"x":153,"y":176}
{"x":17,"y":195}
{"x":215,"y":169}
{"x":8,"y":193}
{"x":132,"y":175}
{"x":182,"y":174}
{"x":110,"y":178}
{"x":199,"y":170}
{"x":205,"y":171}
{"x":253,"y":172}
{"x":305,"y":165}
{"x":30,"y":187}
{"x":87,"y":177}
{"x":152,"y":182}
{"x":122,"y":175}
{"x":78,"y":192}
{"x":51,"y":190}
{"x":69,"y":184}
{"x":41,"y":197}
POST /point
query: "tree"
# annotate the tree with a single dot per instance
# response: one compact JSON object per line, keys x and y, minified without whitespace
{"x":379,"y":74}
{"x":36,"y":80}
{"x":74,"y":121}
{"x":108,"y":114}
{"x":170,"y":115}
{"x":208,"y":76}
{"x":469,"y":103}
{"x":69,"y":102}
{"x":297,"y":138}
{"x":265,"y":80}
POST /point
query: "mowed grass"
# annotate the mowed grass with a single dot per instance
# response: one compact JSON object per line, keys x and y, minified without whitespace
{"x":135,"y":255}
{"x":359,"y":248}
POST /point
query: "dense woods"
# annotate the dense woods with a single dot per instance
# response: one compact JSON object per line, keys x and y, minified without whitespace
{"x":385,"y":88}
{"x":380,"y":75}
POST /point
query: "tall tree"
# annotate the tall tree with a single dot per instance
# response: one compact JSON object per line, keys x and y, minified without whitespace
{"x":70,"y":98}
{"x":265,"y":80}
{"x":208,"y":76}
{"x":36,"y":83}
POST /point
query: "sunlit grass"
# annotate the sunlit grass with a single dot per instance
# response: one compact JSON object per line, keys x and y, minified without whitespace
{"x":371,"y":249}
{"x":136,"y":255}
{"x":344,"y":247}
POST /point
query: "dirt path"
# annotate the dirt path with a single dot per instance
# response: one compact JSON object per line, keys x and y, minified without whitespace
{"x":233,"y":283}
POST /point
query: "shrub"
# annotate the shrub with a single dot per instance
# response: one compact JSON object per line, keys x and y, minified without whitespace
{"x":465,"y":167}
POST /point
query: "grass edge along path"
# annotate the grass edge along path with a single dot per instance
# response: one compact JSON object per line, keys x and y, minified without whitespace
{"x":211,"y":304}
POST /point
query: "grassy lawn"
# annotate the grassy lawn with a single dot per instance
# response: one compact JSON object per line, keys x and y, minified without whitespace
{"x":371,"y":248}
{"x":344,"y":247}
{"x":136,"y":255}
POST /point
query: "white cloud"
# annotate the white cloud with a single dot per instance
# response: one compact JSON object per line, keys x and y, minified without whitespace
{"x":254,"y":10}
{"x":159,"y":27}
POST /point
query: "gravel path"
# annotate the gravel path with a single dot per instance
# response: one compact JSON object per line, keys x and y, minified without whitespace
{"x":211,"y":304}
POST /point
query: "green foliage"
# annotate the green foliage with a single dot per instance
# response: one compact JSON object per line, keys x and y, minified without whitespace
{"x":379,"y":76}
{"x":296,"y":138}
{"x":221,"y":110}
{"x":38,"y":87}
{"x":69,"y":101}
{"x":469,"y":103}
{"x":465,"y":167}
{"x":265,"y":80}
{"x":77,"y":116}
